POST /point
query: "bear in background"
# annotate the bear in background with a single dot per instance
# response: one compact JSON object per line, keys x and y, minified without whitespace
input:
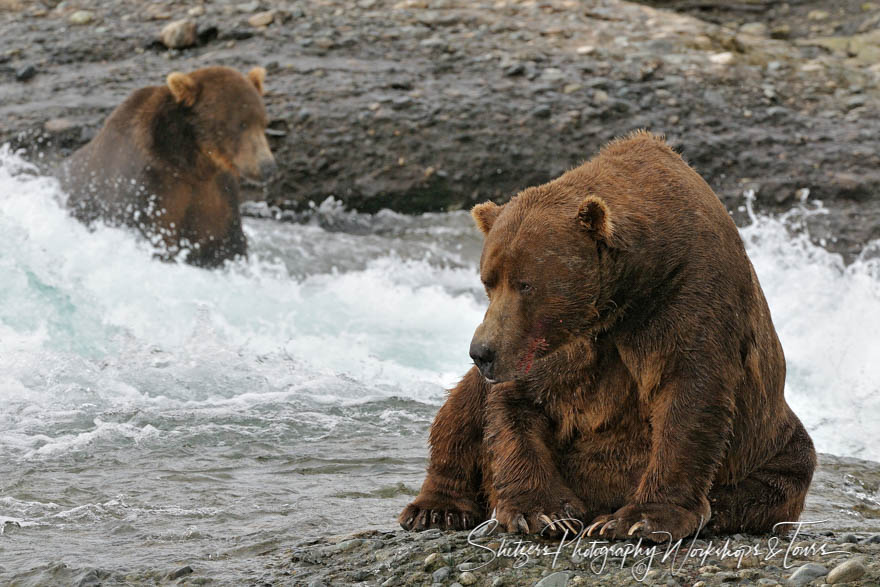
{"x":169,"y":159}
{"x":627,"y":373}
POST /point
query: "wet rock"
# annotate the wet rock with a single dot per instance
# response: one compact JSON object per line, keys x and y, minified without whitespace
{"x":807,"y":573}
{"x":725,"y":58}
{"x":9,"y":527}
{"x":856,"y":102}
{"x":559,"y":579}
{"x":248,"y":6}
{"x":757,"y":29}
{"x":25,"y":73}
{"x":57,"y":125}
{"x":81,"y":17}
{"x":402,"y":103}
{"x":850,"y":570}
{"x":181,"y":572}
{"x":179,"y":34}
{"x":515,"y":70}
{"x":782,"y":31}
{"x":433,"y":561}
{"x":542,"y":111}
{"x":262,"y":18}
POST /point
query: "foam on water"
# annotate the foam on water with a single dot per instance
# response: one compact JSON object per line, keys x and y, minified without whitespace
{"x":308,"y":373}
{"x":827,"y":315}
{"x":89,"y":321}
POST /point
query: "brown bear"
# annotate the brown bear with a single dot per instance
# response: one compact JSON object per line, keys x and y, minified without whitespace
{"x":627,"y":372}
{"x":168,"y":161}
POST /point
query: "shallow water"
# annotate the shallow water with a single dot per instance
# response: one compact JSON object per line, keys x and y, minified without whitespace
{"x":154,"y":414}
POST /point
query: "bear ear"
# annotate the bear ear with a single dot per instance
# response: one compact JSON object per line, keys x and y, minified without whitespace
{"x":257,"y":76}
{"x":593,"y":215}
{"x":485,"y":214}
{"x":183,"y":88}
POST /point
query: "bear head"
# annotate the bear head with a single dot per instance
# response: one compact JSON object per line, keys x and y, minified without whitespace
{"x":224,"y":117}
{"x":543,"y":262}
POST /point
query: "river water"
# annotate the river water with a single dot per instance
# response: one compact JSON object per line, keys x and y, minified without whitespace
{"x":154,"y":415}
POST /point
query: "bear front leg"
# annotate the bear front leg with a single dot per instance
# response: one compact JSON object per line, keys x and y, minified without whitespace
{"x":528,"y":492}
{"x":691,"y":418}
{"x":450,"y":496}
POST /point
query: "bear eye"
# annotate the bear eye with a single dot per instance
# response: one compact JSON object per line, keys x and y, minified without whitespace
{"x":524,"y":287}
{"x":243,"y":126}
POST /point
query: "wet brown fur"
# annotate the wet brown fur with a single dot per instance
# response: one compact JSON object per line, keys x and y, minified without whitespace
{"x":169,"y":159}
{"x":655,"y":402}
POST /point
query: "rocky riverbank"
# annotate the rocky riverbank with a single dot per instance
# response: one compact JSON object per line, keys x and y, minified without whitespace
{"x":842,"y":545}
{"x":839,"y":543}
{"x":418,"y":106}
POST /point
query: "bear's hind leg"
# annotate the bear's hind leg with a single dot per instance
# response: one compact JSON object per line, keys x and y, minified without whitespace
{"x":770,"y":495}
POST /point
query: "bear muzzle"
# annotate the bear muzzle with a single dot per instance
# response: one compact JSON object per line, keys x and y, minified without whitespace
{"x":268,"y":169}
{"x":484,"y":359}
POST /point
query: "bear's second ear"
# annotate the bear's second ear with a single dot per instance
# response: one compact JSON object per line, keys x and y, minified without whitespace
{"x":184,"y":88}
{"x":485,"y":214}
{"x":257,"y":76}
{"x":593,"y":215}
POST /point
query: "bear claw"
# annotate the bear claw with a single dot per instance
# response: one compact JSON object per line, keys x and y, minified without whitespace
{"x":609,"y":525}
{"x":637,"y":526}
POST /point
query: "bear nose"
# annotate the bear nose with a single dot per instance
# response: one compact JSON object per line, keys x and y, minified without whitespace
{"x":484,"y":358}
{"x":268,"y":169}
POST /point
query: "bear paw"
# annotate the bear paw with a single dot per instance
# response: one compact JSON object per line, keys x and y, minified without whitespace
{"x":431,"y":511}
{"x":551,"y":517}
{"x":657,"y":522}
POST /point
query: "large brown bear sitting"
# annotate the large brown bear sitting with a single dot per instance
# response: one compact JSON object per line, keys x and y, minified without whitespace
{"x":169,"y":159}
{"x":627,"y":370}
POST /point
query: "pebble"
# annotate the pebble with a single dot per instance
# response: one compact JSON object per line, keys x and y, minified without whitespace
{"x":433,"y":561}
{"x":855,"y":102}
{"x":440,"y":575}
{"x":56,"y":125}
{"x":818,"y":15}
{"x":25,"y":73}
{"x":782,"y":31}
{"x":181,"y":572}
{"x":543,"y":111}
{"x":179,"y":34}
{"x":81,"y":17}
{"x":467,"y":578}
{"x":807,"y":573}
{"x":724,"y":58}
{"x":845,"y":572}
{"x":559,"y":579}
{"x":248,"y":6}
{"x":757,"y":29}
{"x":262,"y":18}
